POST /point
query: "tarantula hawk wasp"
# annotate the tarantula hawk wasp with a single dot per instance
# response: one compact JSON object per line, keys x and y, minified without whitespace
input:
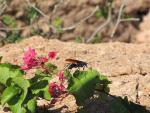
{"x":72,"y":63}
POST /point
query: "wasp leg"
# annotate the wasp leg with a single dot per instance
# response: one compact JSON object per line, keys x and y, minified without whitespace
{"x":83,"y":67}
{"x":66,"y":67}
{"x":78,"y":68}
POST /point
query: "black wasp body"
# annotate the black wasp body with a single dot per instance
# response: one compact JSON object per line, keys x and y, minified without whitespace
{"x":72,"y":63}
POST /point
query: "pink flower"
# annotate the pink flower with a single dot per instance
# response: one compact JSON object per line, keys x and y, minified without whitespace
{"x":29,"y":59}
{"x":54,"y":89}
{"x":61,"y":76}
{"x":52,"y":54}
{"x":62,"y":87}
{"x":30,"y":53}
{"x":25,"y":67}
{"x":42,"y":60}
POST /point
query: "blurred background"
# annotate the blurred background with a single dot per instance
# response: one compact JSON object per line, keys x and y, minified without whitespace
{"x":81,"y":21}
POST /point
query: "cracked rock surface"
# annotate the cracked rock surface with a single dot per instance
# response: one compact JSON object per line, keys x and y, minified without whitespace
{"x":126,"y":65}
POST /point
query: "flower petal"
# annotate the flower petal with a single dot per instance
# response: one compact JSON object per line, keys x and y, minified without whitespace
{"x":52,"y":54}
{"x":61,"y":76}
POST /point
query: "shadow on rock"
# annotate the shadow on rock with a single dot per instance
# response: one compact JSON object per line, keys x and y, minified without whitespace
{"x":107,"y":103}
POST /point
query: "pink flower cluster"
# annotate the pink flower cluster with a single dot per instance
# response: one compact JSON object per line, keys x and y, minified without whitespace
{"x":31,"y":60}
{"x":55,"y":89}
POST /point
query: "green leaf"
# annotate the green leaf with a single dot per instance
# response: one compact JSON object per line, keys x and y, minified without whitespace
{"x":68,"y":74}
{"x":46,"y":94}
{"x":36,"y":31}
{"x":9,"y":71}
{"x":31,"y":105}
{"x":2,"y":88}
{"x":78,"y":39}
{"x":51,"y":68}
{"x":39,"y":86}
{"x":103,"y":12}
{"x":15,"y":105}
{"x":32,"y":14}
{"x":96,"y":39}
{"x":23,"y":84}
{"x":83,"y":83}
{"x":39,"y":76}
{"x":99,"y":13}
{"x":9,"y":93}
{"x":9,"y":21}
{"x":13,"y":37}
{"x":57,"y":23}
{"x":102,"y":86}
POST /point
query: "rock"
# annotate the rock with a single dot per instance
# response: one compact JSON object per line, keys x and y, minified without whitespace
{"x":3,"y":36}
{"x":83,"y":13}
{"x":4,"y":110}
{"x":20,"y":14}
{"x":43,"y":25}
{"x":77,"y":2}
{"x":131,"y":6}
{"x":144,"y":35}
{"x":46,"y":4}
{"x":125,"y":86}
{"x":144,"y":90}
{"x":67,"y":104}
{"x":67,"y":37}
{"x":145,"y":25}
{"x":71,"y":12}
{"x":16,"y":5}
{"x":69,"y":22}
{"x":26,"y":32}
{"x":126,"y":65}
{"x":94,"y":2}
